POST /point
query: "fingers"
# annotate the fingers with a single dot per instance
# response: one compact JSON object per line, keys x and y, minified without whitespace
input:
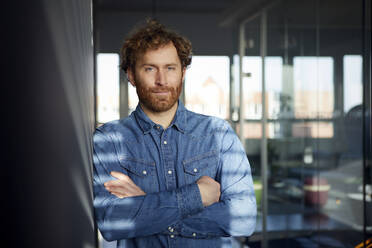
{"x":122,"y":193}
{"x":122,"y":178}
{"x":116,"y":183}
{"x":209,"y":190}
{"x":117,"y":193}
{"x":119,"y":175}
{"x":123,"y":186}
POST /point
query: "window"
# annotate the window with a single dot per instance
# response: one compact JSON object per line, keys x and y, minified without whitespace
{"x":132,"y":98}
{"x":207,"y":85}
{"x":353,"y":87}
{"x":107,"y":87}
{"x":313,"y":96}
{"x":313,"y":85}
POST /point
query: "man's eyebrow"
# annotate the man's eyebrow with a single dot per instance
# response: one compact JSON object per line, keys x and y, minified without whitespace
{"x":146,"y":64}
{"x":149,"y":64}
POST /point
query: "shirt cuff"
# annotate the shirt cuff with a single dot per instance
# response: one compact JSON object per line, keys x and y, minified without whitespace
{"x":189,"y":200}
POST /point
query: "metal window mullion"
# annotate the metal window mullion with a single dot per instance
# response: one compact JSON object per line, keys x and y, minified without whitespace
{"x":241,"y":92}
{"x":263,"y":52}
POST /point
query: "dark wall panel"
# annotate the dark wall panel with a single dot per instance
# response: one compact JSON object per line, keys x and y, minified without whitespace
{"x":47,"y":121}
{"x":201,"y":28}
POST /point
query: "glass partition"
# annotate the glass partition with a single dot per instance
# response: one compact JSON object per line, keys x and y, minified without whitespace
{"x":314,"y":128}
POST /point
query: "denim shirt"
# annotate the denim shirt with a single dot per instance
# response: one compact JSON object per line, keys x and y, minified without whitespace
{"x":166,"y":165}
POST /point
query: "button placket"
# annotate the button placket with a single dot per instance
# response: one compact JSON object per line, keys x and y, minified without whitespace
{"x":168,"y":160}
{"x":170,"y":175}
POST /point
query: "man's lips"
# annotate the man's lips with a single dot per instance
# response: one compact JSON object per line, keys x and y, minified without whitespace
{"x":161,"y":95}
{"x":160,"y":92}
{"x":163,"y":91}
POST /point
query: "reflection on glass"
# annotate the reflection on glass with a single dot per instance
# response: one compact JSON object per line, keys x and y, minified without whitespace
{"x":107,"y":87}
{"x":207,"y":85}
{"x":312,"y":129}
{"x":315,"y":152}
{"x":252,"y":85}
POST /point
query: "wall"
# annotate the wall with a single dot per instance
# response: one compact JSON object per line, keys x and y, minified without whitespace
{"x":47,"y":111}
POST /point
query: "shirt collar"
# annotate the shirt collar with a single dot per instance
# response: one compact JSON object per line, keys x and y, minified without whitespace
{"x":180,"y":119}
{"x":146,"y":124}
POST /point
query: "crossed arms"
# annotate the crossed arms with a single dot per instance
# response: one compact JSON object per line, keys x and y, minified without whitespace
{"x":123,"y":187}
{"x":207,"y":207}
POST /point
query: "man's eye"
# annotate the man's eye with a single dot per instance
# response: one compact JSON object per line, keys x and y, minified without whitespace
{"x":171,"y":68}
{"x":148,"y":69}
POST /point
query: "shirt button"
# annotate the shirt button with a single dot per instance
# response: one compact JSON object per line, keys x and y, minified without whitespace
{"x":157,"y":127}
{"x":195,"y":170}
{"x":169,"y":172}
{"x":171,"y":230}
{"x":172,"y":236}
{"x":144,"y":172}
{"x":194,"y":234}
{"x":165,"y":142}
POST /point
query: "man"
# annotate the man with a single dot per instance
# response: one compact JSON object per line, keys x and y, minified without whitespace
{"x":165,"y":176}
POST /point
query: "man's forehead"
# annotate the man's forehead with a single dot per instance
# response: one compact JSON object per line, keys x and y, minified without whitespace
{"x":165,"y":54}
{"x":159,"y":46}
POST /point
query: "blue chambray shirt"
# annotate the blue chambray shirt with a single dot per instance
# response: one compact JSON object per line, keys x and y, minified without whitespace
{"x":166,"y":165}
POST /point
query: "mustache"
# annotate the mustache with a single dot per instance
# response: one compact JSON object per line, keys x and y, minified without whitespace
{"x":161,"y":89}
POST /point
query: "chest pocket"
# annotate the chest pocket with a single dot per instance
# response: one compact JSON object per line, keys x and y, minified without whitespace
{"x":201,"y":165}
{"x":143,"y":173}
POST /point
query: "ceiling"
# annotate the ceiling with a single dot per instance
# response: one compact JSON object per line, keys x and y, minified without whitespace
{"x":337,"y":12}
{"x":165,"y":5}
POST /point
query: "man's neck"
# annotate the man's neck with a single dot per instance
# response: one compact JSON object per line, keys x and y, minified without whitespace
{"x":162,"y":118}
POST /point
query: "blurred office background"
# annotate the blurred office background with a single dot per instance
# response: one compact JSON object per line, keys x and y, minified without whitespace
{"x":293,"y":77}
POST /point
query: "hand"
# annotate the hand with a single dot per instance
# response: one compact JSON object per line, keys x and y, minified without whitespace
{"x":123,"y":186}
{"x":209,"y":190}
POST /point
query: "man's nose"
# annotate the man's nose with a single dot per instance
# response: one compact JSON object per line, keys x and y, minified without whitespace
{"x":160,"y":77}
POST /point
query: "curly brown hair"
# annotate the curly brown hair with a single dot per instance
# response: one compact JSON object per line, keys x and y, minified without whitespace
{"x":152,"y":36}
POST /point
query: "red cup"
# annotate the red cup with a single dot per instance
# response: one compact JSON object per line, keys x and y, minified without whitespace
{"x":316,"y":191}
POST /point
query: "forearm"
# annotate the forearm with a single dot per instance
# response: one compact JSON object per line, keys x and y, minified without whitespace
{"x":144,"y":215}
{"x":235,"y":213}
{"x":232,"y":216}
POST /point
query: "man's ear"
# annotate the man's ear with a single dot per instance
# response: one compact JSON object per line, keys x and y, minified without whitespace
{"x":130,"y":75}
{"x":183,"y":73}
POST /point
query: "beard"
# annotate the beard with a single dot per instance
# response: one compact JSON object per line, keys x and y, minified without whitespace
{"x":156,"y":103}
